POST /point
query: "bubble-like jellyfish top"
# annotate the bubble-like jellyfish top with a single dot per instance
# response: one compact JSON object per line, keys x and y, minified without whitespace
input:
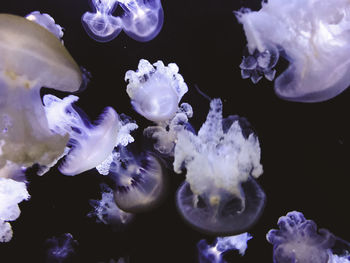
{"x":313,"y":36}
{"x":220,"y":195}
{"x":155,"y":90}
{"x":299,"y":240}
{"x":141,"y":20}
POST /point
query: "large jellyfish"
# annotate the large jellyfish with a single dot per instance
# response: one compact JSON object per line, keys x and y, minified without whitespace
{"x":155,"y":92}
{"x":141,"y":20}
{"x":31,"y":57}
{"x":299,"y":240}
{"x":313,"y":35}
{"x":220,"y":195}
{"x":90,"y":145}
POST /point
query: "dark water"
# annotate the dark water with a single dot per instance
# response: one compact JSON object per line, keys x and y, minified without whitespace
{"x":305,"y":147}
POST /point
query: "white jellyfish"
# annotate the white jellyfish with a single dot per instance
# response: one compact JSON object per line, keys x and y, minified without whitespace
{"x":313,"y":35}
{"x":90,"y":145}
{"x":141,"y":20}
{"x":61,"y":249}
{"x":299,"y":240}
{"x":219,"y":196}
{"x":140,"y":181}
{"x":31,"y":57}
{"x":47,"y":21}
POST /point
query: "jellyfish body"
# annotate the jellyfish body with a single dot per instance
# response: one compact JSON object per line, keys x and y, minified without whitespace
{"x":312,"y":35}
{"x":220,"y":195}
{"x":141,"y":20}
{"x":298,"y":240}
{"x":140,"y":182}
{"x":155,"y":90}
{"x":90,"y":144}
{"x":32,"y":57}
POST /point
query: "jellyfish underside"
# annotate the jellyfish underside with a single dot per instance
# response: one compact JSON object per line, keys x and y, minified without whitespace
{"x":230,"y":216}
{"x":140,"y":183}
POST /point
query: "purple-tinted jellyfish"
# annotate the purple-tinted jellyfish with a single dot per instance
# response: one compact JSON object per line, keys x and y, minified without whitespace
{"x":220,"y":195}
{"x":140,"y":181}
{"x":142,"y":19}
{"x":214,"y":253}
{"x":90,"y":145}
{"x":61,"y":249}
{"x":101,"y":25}
{"x":312,"y":35}
{"x":299,"y":240}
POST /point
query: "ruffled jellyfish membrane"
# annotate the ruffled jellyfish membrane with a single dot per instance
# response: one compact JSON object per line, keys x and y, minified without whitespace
{"x":47,"y":21}
{"x":31,"y":57}
{"x":101,"y":25}
{"x":220,"y":195}
{"x":140,"y":182}
{"x":299,"y":240}
{"x":142,"y":19}
{"x":313,"y":35}
{"x":155,"y":90}
{"x":90,"y":145}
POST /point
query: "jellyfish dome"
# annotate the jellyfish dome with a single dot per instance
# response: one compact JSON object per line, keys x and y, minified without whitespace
{"x":313,"y":35}
{"x":220,"y":195}
{"x":155,"y":90}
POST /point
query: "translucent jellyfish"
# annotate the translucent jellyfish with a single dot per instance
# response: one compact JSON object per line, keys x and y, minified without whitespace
{"x":31,"y":57}
{"x":90,"y":145}
{"x":214,"y":253}
{"x":220,"y":195}
{"x":107,"y":211}
{"x":101,"y":25}
{"x":140,"y":182}
{"x":299,"y":240}
{"x":312,"y":35}
{"x":142,"y":20}
{"x":155,"y":90}
{"x":61,"y":249}
{"x":47,"y":21}
{"x":11,"y":194}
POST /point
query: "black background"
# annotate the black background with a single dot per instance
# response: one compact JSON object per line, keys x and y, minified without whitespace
{"x":305,"y":147}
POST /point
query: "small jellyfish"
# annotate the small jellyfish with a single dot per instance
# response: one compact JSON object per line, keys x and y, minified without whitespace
{"x":101,"y":25}
{"x":220,"y":195}
{"x":140,"y":182}
{"x":61,"y":249}
{"x":214,"y":253}
{"x":90,"y":145}
{"x":299,"y":240}
{"x":31,"y":57}
{"x":107,"y":211}
{"x":46,"y":21}
{"x":11,"y":194}
{"x":142,"y":20}
{"x":311,"y":35}
{"x":155,"y":90}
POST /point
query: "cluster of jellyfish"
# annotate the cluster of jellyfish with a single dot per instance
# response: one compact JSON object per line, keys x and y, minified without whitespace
{"x":220,"y":195}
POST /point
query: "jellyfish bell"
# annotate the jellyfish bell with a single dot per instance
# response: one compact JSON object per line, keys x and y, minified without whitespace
{"x":220,"y":195}
{"x":141,"y":182}
{"x":142,"y":20}
{"x":31,"y":58}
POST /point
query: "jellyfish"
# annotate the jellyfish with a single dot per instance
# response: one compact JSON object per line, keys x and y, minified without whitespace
{"x":61,"y":249}
{"x":140,"y":181}
{"x":101,"y":25}
{"x":214,"y":253}
{"x":220,"y":195}
{"x":311,"y":35}
{"x":46,"y":21}
{"x":299,"y":240}
{"x":107,"y":211}
{"x":31,"y":57}
{"x":141,"y":20}
{"x":90,"y":145}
